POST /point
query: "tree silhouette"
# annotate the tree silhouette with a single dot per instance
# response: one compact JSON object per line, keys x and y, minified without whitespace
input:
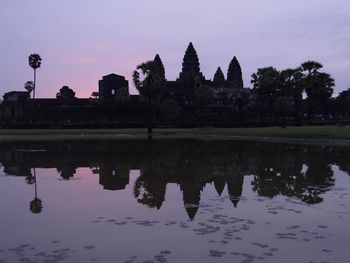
{"x":292,"y":92}
{"x":343,"y":102}
{"x":65,"y":93}
{"x":149,"y":82}
{"x":311,"y":67}
{"x":29,"y":86}
{"x":30,"y":179}
{"x":34,"y":62}
{"x":266,"y":82}
{"x":318,"y":87}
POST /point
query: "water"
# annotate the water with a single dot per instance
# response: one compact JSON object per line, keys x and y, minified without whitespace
{"x":174,"y":201}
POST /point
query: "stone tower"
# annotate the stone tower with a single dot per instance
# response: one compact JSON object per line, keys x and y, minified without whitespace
{"x":160,"y":65}
{"x":234,"y":73}
{"x":219,"y":76}
{"x":190,"y":65}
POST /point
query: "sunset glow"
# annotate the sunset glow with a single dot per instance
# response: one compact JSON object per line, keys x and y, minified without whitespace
{"x":83,"y":40}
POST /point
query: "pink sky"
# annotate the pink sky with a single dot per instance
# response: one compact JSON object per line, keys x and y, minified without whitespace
{"x":82,"y":40}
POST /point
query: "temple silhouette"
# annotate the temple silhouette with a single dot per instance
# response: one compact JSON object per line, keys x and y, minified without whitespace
{"x":190,"y":100}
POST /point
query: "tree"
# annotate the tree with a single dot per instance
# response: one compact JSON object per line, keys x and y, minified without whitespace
{"x":34,"y":62}
{"x":149,"y":82}
{"x":311,"y":67}
{"x":343,"y":103}
{"x":65,"y":94}
{"x":318,"y":87}
{"x":292,"y":90}
{"x":29,"y":86}
{"x":266,"y":82}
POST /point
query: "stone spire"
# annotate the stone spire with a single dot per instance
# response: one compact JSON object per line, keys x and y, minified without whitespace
{"x":219,"y":76}
{"x":190,"y":64}
{"x":234,"y":73}
{"x":160,"y":65}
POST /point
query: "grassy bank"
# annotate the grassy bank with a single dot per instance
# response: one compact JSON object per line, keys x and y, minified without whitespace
{"x":332,"y":134}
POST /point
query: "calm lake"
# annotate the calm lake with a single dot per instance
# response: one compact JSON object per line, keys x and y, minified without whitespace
{"x":174,"y":201}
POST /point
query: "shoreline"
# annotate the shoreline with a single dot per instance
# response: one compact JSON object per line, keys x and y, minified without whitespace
{"x":309,"y":135}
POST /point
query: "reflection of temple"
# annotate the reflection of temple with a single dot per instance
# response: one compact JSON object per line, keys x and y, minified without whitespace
{"x":192,"y":191}
{"x":112,"y":178}
{"x":302,"y":172}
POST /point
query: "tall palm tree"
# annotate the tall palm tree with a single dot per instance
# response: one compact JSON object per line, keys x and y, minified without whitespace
{"x":149,"y":82}
{"x":34,"y":62}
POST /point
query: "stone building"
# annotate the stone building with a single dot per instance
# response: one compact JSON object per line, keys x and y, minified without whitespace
{"x":109,"y":86}
{"x":223,"y":97}
{"x":221,"y":101}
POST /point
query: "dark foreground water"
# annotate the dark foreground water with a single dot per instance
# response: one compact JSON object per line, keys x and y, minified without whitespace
{"x":174,"y":201}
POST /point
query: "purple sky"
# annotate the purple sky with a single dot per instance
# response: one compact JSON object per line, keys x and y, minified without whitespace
{"x":82,"y":40}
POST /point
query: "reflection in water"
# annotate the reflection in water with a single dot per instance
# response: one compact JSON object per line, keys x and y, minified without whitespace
{"x":303,"y":172}
{"x":35,"y":205}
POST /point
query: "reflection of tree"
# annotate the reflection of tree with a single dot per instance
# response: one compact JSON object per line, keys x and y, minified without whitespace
{"x":342,"y":157}
{"x":30,"y":179}
{"x":318,"y":177}
{"x":67,"y":172}
{"x":149,"y":189}
{"x":36,"y":204}
{"x":289,"y":180}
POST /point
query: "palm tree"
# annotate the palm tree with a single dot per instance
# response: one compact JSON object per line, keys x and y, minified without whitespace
{"x":311,"y":67}
{"x":29,"y":86}
{"x":318,"y":87}
{"x":149,"y":82}
{"x":34,"y":62}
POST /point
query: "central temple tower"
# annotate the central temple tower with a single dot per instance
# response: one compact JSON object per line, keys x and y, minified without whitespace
{"x":190,"y":65}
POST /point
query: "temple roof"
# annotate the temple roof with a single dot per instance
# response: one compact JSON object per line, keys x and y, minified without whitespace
{"x":219,"y":76}
{"x":160,"y":65}
{"x":190,"y":64}
{"x":234,"y":73}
